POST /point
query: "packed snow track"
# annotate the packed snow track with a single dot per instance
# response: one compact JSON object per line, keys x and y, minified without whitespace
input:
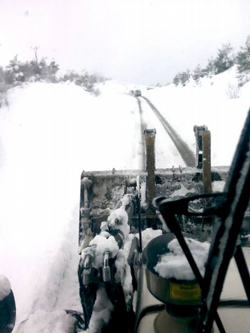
{"x":170,"y":147}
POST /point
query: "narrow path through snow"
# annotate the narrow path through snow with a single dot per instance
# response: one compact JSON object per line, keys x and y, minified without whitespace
{"x":166,"y":153}
{"x":185,"y":152}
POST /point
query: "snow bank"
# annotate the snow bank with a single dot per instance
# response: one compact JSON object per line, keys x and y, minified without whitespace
{"x":175,"y":265}
{"x":47,"y":322}
{"x":48,"y":134}
{"x":206,"y":104}
{"x":112,"y":88}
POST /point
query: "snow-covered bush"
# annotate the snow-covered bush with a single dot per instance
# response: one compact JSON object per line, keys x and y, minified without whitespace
{"x":84,"y":80}
{"x":243,"y":63}
{"x":18,"y":72}
{"x":182,"y":78}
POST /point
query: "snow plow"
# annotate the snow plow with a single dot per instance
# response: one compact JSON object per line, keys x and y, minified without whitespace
{"x":136,"y":227}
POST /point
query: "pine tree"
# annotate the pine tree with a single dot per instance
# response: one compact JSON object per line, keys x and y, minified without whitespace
{"x":225,"y":59}
{"x":210,"y":69}
{"x":34,"y":70}
{"x":243,"y":58}
{"x":185,"y":77}
{"x":177,"y":79}
{"x":243,"y":63}
{"x":198,"y":73}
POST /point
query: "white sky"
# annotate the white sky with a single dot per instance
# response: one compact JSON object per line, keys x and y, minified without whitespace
{"x":139,"y":41}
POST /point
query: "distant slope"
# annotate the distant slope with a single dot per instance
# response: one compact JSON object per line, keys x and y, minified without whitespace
{"x":209,"y":103}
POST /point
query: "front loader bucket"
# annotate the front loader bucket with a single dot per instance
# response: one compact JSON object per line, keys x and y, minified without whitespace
{"x":107,"y":188}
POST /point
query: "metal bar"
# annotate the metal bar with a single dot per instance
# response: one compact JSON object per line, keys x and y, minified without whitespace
{"x":225,"y":239}
{"x":150,"y":166}
{"x":85,"y":233}
{"x":206,"y":170}
{"x":198,"y":141}
{"x":206,"y":162}
{"x":139,"y":222}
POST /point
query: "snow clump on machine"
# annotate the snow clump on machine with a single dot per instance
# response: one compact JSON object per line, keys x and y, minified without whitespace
{"x":101,"y":244}
{"x":118,"y":220}
{"x":174,"y":264}
{"x":218,"y":186}
{"x":101,"y":312}
{"x":149,"y":234}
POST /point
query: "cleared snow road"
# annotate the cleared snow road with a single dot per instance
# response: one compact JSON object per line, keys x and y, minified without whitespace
{"x":170,"y":150}
{"x":186,"y":154}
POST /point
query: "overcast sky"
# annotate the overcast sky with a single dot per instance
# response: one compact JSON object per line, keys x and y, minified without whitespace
{"x":139,"y":41}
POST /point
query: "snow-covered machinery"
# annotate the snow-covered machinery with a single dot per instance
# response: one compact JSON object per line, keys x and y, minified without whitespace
{"x":7,"y":306}
{"x":118,"y":216}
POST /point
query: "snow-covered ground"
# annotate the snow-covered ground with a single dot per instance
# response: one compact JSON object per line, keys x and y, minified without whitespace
{"x":49,"y":133}
{"x":211,"y":103}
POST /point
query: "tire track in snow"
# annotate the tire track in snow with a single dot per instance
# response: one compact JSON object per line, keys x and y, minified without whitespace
{"x":185,"y":152}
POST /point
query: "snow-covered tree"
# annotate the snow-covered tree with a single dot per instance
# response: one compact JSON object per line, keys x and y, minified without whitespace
{"x":210,"y":69}
{"x":177,"y":79}
{"x":185,"y":77}
{"x":243,"y":62}
{"x":198,"y":73}
{"x":12,"y":72}
{"x":225,"y":59}
{"x":3,"y":88}
{"x":47,"y":71}
{"x":84,"y":80}
{"x":17,"y":72}
{"x":78,"y":79}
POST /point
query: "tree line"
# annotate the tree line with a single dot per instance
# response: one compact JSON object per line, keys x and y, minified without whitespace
{"x":18,"y":72}
{"x":224,"y":60}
